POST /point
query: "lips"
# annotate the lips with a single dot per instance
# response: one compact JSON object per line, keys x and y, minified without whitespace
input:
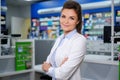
{"x":65,"y":25}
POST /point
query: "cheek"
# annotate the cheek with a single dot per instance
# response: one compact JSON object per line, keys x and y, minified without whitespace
{"x":73,"y":23}
{"x":61,"y":22}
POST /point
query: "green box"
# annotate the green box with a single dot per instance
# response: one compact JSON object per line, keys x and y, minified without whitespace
{"x":23,"y":53}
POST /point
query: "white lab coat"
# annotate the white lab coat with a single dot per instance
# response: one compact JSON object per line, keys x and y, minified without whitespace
{"x":73,"y":48}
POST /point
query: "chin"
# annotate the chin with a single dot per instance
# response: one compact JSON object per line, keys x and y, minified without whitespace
{"x":66,"y":31}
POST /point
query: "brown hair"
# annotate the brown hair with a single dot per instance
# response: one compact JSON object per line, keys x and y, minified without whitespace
{"x":76,"y":6}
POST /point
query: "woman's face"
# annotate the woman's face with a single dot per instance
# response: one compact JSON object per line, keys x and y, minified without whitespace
{"x":68,"y":20}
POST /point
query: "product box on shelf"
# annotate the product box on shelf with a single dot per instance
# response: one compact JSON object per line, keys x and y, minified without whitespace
{"x":23,"y":53}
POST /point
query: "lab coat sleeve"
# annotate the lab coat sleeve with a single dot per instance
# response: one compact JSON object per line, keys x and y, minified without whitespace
{"x":48,"y":59}
{"x":75,"y":57}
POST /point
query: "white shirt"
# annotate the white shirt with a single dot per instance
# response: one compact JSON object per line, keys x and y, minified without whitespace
{"x":73,"y":46}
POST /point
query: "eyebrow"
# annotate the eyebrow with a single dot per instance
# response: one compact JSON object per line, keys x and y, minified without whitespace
{"x":70,"y":16}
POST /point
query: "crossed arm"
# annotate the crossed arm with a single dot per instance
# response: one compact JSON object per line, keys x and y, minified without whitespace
{"x":46,"y":66}
{"x":69,"y":64}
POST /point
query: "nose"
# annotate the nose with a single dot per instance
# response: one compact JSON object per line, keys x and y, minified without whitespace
{"x":66,"y":20}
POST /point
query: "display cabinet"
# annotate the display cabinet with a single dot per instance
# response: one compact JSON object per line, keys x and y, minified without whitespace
{"x":21,"y":65}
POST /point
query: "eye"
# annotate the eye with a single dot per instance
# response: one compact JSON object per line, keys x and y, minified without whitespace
{"x":62,"y":16}
{"x":72,"y":18}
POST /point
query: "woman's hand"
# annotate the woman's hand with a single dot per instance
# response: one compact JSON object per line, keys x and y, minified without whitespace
{"x":64,"y":60}
{"x":46,"y":66}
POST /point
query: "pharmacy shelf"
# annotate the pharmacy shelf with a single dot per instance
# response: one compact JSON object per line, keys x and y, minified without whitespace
{"x":102,"y":51}
{"x":118,"y":42}
{"x":7,"y":56}
{"x":15,"y":73}
{"x":117,"y":36}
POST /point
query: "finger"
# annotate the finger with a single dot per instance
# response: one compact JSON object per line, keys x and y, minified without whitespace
{"x":66,"y":59}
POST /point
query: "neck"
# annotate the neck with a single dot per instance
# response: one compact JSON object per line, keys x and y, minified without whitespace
{"x":66,"y":32}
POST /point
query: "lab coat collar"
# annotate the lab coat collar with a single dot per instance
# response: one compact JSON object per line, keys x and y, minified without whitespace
{"x":69,"y":35}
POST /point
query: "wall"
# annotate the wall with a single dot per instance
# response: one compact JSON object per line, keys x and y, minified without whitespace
{"x":25,"y":11}
{"x":53,"y":4}
{"x":12,"y":11}
{"x":44,"y":5}
{"x":16,"y":11}
{"x":25,"y":28}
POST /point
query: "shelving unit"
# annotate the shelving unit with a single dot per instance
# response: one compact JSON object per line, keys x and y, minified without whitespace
{"x":94,"y":24}
{"x":118,"y":18}
{"x":7,"y":56}
{"x":14,"y":73}
{"x":93,"y":30}
{"x":4,"y":38}
{"x":7,"y":60}
{"x":9,"y":67}
{"x":46,"y":28}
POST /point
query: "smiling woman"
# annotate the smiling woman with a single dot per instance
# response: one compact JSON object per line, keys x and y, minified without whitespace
{"x":66,"y":56}
{"x":68,"y":20}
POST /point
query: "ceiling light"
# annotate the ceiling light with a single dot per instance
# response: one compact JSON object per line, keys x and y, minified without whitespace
{"x":31,"y":0}
{"x":28,"y":0}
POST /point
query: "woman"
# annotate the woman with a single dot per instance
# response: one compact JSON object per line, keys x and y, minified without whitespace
{"x":64,"y":60}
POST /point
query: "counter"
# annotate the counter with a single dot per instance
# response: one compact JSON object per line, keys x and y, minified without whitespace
{"x":100,"y":59}
{"x":95,"y":67}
